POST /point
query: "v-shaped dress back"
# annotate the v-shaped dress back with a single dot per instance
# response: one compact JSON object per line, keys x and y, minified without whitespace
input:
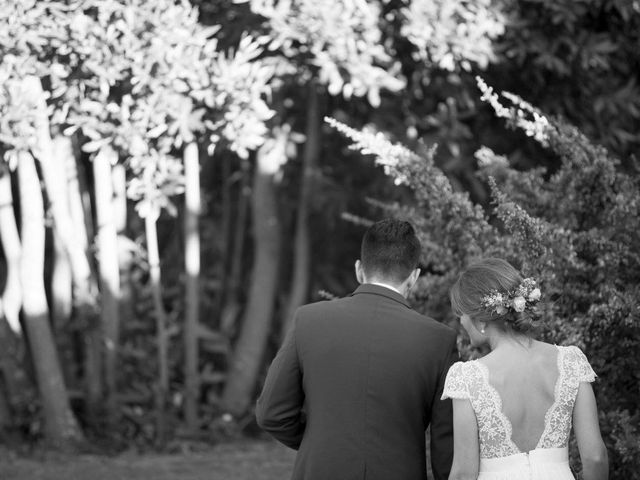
{"x":500,"y":457}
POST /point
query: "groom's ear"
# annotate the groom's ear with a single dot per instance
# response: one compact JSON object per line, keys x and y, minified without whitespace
{"x":359,"y":272}
{"x":414,"y":277}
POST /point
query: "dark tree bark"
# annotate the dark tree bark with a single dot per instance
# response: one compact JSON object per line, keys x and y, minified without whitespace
{"x":15,"y":385}
{"x":302,"y":247}
{"x":225,"y":234}
{"x":231,"y":307}
{"x":251,"y":343}
{"x":162,"y":388}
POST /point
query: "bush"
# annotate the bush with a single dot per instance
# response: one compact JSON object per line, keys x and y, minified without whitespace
{"x":577,"y":230}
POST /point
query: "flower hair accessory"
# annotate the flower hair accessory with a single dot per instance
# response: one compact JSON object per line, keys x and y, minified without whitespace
{"x":526,"y":295}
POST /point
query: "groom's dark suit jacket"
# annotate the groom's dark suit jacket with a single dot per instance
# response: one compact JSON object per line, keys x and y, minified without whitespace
{"x":354,"y":387}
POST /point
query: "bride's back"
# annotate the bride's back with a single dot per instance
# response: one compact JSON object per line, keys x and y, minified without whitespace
{"x":525,"y":379}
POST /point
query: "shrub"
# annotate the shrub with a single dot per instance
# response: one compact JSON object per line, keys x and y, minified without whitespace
{"x":577,"y":230}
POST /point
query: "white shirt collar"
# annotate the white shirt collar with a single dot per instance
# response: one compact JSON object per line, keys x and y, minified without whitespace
{"x":387,"y":286}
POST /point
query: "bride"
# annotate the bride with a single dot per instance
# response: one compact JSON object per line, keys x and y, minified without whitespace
{"x":513,"y":408}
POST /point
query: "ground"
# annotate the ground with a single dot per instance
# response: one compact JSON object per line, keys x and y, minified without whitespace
{"x":255,"y":460}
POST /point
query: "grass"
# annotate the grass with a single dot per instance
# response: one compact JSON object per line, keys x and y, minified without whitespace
{"x":246,"y":460}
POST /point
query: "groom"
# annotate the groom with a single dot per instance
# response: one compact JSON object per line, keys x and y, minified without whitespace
{"x":358,"y":380}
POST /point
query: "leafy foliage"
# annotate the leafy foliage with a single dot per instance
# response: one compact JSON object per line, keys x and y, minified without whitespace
{"x":22,"y":48}
{"x":242,"y":82}
{"x":453,"y":34}
{"x":575,"y":231}
{"x":144,"y":77}
{"x":341,"y":40}
{"x":562,"y":53}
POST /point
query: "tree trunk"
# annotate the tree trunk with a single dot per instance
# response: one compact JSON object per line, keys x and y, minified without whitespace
{"x":14,"y":381}
{"x":12,"y":294}
{"x":77,"y":190}
{"x":119,"y":180}
{"x":61,"y":286}
{"x":251,"y":344}
{"x":61,"y":308}
{"x":84,"y":287}
{"x":227,"y":221}
{"x":61,"y":427}
{"x":192,"y":289}
{"x":5,"y":411}
{"x":302,"y":255}
{"x":232,"y":301}
{"x":82,"y":227}
{"x":126,"y":246}
{"x":161,"y":327}
{"x":62,"y":277}
{"x":108,"y":268}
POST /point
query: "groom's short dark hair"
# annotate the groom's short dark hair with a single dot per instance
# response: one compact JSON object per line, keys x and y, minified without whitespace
{"x":390,"y":249}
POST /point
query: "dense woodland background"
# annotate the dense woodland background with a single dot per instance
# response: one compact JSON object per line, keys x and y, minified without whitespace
{"x":178,"y":178}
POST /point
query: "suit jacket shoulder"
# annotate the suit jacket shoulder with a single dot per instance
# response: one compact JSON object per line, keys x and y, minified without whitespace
{"x":364,"y":298}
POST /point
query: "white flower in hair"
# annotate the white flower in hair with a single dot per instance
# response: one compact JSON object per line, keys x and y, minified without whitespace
{"x":519,"y":303}
{"x":526,"y":295}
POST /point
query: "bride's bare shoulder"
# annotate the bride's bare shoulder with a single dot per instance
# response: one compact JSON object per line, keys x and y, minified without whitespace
{"x":544,"y":347}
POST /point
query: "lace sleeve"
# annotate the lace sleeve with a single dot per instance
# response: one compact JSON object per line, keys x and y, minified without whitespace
{"x":455,"y":385}
{"x":580,"y":366}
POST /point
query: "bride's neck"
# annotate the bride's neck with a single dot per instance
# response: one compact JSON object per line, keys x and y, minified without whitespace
{"x":501,"y":340}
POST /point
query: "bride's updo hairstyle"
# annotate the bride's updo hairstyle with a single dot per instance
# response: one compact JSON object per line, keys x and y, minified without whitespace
{"x":489,"y":279}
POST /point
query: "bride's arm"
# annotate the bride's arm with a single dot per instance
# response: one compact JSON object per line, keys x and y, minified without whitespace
{"x":593,"y":453}
{"x":466,"y":451}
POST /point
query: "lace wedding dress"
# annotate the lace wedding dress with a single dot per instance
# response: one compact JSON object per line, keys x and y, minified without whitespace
{"x":500,"y":458}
